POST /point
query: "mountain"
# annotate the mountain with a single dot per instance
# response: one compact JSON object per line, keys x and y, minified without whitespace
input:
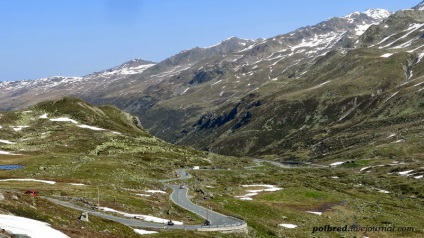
{"x":20,"y":94}
{"x":251,"y":97}
{"x":344,"y":104}
{"x":420,"y":6}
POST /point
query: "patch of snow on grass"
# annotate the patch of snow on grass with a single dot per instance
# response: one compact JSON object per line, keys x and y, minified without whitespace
{"x":155,"y":191}
{"x":91,"y":127}
{"x":245,"y":198}
{"x":398,"y":141}
{"x":364,"y":168}
{"x":387,"y":55}
{"x":391,"y":135}
{"x":418,"y":177}
{"x":64,"y":119}
{"x":44,"y":116}
{"x":141,"y":217}
{"x":420,"y":56}
{"x":7,"y":142}
{"x":143,"y":195}
{"x":405,"y":172}
{"x":28,"y":180}
{"x":316,"y":213}
{"x":18,"y":128}
{"x":144,"y":232}
{"x":319,"y":85}
{"x":30,"y":227}
{"x":7,"y":153}
{"x":383,"y":191}
{"x":251,"y":193}
{"x":394,"y":94}
{"x":78,"y":184}
{"x":216,"y":82}
{"x":335,"y":164}
{"x":185,"y":90}
{"x":290,"y":226}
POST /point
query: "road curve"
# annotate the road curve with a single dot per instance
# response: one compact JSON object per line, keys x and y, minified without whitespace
{"x":179,"y":197}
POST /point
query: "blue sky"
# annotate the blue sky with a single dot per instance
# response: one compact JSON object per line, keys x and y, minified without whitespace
{"x":45,"y":38}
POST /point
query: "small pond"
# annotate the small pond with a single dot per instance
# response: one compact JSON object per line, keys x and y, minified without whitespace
{"x":10,"y":167}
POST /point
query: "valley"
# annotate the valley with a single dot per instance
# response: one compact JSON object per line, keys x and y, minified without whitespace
{"x":285,"y":136}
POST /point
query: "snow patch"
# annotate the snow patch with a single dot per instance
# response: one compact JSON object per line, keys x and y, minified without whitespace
{"x":64,"y":119}
{"x":143,"y":195}
{"x":28,"y":180}
{"x":391,"y":135}
{"x":335,"y":164}
{"x":405,"y":173}
{"x":216,"y":82}
{"x":144,"y":232}
{"x":387,"y":55}
{"x":411,"y":29}
{"x":185,"y":90}
{"x":155,"y":191}
{"x":7,"y":142}
{"x":251,"y":193}
{"x":44,"y":116}
{"x":316,"y":213}
{"x":290,"y":226}
{"x":18,"y":128}
{"x":378,"y":14}
{"x":30,"y":227}
{"x":91,"y":127}
{"x":7,"y":153}
{"x":319,"y":85}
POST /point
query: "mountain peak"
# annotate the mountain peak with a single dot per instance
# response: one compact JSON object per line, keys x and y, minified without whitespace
{"x":233,"y":41}
{"x":420,"y":6}
{"x":378,"y":13}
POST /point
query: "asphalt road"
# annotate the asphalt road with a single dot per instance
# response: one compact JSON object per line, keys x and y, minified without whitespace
{"x":179,"y":197}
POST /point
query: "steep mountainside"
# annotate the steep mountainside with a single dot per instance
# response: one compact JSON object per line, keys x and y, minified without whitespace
{"x":344,"y":102}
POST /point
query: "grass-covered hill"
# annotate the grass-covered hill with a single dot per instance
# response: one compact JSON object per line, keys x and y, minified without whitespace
{"x":85,"y":149}
{"x":73,"y":151}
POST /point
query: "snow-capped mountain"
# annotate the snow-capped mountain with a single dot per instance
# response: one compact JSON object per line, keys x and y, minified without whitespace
{"x":207,"y":88}
{"x":420,"y":6}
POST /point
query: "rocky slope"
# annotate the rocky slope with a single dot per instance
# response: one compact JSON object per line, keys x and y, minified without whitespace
{"x":345,"y":100}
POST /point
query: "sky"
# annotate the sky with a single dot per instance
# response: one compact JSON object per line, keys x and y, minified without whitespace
{"x":47,"y":38}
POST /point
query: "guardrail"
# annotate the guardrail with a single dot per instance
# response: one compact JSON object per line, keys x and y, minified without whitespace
{"x":223,"y":227}
{"x":241,"y":224}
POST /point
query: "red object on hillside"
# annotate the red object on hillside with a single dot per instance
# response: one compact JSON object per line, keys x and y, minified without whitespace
{"x":32,"y":191}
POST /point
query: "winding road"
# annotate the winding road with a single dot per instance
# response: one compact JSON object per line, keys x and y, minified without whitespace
{"x":178,"y":196}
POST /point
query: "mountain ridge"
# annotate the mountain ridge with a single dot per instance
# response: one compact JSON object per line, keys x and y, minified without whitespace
{"x":172,"y":96}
